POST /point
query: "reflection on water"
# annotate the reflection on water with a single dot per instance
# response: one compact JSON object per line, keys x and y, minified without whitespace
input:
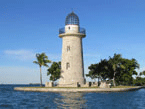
{"x":10,"y":99}
{"x":71,"y":101}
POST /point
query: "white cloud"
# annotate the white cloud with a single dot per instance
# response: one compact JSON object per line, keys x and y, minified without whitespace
{"x":24,"y":55}
{"x":20,"y":54}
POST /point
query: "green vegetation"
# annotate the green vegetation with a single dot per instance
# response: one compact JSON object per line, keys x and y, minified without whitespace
{"x":139,"y":81}
{"x":42,"y":60}
{"x":117,"y":69}
{"x":99,"y":70}
{"x":116,"y":66}
{"x":142,"y":73}
{"x":123,"y":87}
{"x":54,"y":71}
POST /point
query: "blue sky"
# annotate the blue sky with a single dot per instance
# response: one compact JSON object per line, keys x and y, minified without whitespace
{"x":28,"y":27}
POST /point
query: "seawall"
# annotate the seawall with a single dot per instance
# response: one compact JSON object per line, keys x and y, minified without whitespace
{"x":35,"y":89}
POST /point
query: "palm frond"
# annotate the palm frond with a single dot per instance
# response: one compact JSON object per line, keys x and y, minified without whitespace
{"x":35,"y":62}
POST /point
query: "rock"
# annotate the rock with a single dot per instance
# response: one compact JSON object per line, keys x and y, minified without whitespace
{"x":104,"y":85}
{"x":49,"y":84}
{"x":94,"y":84}
{"x":85,"y":85}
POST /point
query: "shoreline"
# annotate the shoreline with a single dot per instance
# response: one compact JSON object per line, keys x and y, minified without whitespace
{"x":54,"y":89}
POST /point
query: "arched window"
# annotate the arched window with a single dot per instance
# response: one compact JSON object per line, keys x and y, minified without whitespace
{"x":68,"y":48}
{"x":67,"y":65}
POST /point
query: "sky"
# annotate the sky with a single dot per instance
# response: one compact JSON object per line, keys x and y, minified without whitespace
{"x":28,"y":27}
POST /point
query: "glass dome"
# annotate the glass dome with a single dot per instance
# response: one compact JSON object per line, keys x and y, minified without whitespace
{"x":72,"y":19}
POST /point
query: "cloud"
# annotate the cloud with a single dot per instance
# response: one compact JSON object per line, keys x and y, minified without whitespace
{"x":25,"y":55}
{"x":141,"y":69}
{"x":20,"y":54}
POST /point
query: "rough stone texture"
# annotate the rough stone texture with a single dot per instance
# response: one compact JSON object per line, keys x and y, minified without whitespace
{"x":75,"y":84}
{"x":86,"y":85}
{"x":94,"y":84}
{"x":49,"y":84}
{"x":104,"y":85}
{"x":76,"y":89}
{"x":72,"y":68}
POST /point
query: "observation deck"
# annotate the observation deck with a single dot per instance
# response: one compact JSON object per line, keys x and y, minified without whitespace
{"x":81,"y":30}
{"x":72,"y":27}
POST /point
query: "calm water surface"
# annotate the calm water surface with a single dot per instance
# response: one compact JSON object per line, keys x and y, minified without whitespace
{"x":10,"y":99}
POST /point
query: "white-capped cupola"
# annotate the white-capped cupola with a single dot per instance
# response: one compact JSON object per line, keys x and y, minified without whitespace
{"x":72,"y":19}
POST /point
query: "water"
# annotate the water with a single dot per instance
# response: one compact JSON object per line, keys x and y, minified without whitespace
{"x":10,"y":99}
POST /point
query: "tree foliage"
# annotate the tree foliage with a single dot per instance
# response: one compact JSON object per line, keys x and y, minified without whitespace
{"x":142,"y":73}
{"x":125,"y":76}
{"x":42,"y":60}
{"x":54,"y":71}
{"x":104,"y":69}
{"x":93,"y":73}
{"x":99,"y":70}
{"x":139,"y":81}
{"x":117,"y":68}
{"x":116,"y":65}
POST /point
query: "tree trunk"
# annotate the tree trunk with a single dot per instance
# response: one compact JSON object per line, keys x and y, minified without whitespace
{"x":114,"y":79}
{"x":98,"y":81}
{"x":40,"y":78}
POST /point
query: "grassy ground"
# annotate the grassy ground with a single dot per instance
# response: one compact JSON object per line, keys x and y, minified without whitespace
{"x":123,"y":87}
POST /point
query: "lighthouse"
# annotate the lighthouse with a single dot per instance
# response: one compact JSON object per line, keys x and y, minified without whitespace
{"x":72,"y":67}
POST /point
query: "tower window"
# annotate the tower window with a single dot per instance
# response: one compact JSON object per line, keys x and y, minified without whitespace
{"x":68,"y":48}
{"x":67,"y":65}
{"x":69,"y":28}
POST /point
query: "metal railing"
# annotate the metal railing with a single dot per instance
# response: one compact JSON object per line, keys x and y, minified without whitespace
{"x":62,"y":30}
{"x":82,"y":30}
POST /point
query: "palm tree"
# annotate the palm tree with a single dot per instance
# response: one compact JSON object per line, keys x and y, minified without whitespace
{"x":42,"y":60}
{"x":115,"y":62}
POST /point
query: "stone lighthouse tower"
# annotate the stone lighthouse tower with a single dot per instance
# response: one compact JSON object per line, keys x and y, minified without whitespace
{"x":72,"y":68}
